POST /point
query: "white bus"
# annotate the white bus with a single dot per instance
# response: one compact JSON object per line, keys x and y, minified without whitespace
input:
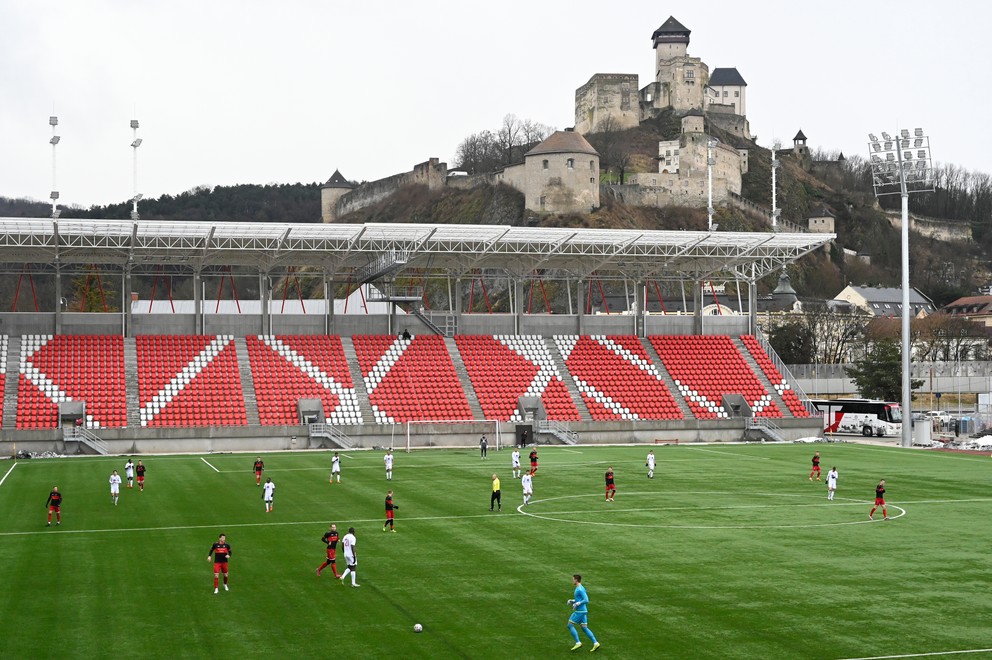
{"x":862,"y":416}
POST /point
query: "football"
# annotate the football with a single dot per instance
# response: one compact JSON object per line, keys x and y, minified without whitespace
{"x":418,"y":628}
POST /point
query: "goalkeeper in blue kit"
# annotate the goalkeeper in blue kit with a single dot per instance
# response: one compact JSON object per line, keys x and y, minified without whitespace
{"x":580,"y":614}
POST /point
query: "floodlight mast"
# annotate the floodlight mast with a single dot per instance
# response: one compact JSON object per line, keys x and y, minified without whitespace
{"x":135,"y":144}
{"x":775,"y":165}
{"x":53,"y":121}
{"x":894,"y":170}
{"x":710,"y":162}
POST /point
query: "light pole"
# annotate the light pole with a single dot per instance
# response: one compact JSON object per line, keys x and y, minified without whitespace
{"x":710,"y":162}
{"x":53,"y":121}
{"x":775,"y":165}
{"x":901,"y":165}
{"x":137,"y":196}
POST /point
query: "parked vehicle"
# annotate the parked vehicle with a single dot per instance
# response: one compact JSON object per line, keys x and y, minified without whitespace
{"x":865,"y":416}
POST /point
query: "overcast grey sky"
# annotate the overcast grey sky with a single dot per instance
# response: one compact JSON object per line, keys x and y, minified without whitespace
{"x":280,"y":92}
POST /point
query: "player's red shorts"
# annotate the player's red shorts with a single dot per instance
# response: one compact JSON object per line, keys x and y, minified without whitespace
{"x":389,"y":515}
{"x":220,"y":567}
{"x":258,"y":472}
{"x":533,"y":465}
{"x":141,"y":480}
{"x":816,"y":468}
{"x":331,"y":553}
{"x":879,"y":500}
{"x":611,"y":488}
{"x":54,"y":508}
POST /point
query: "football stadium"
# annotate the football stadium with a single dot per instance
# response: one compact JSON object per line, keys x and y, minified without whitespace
{"x":393,"y":373}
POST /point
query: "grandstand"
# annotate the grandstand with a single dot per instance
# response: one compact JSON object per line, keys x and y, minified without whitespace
{"x":246,"y":375}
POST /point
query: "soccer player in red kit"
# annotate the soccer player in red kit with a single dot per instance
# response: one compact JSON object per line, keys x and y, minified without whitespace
{"x":259,"y":468}
{"x":533,"y":461}
{"x":816,"y":467}
{"x":390,"y":507}
{"x":330,"y":538}
{"x":54,"y":505}
{"x":611,"y":487}
{"x":879,"y":501}
{"x":140,"y":471}
{"x":220,"y":552}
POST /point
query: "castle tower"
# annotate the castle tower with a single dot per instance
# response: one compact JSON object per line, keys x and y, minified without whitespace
{"x":799,"y":147}
{"x":561,"y":175}
{"x":681,"y":79}
{"x":335,"y":188}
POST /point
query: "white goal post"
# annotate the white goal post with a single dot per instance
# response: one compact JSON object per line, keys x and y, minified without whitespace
{"x":434,"y":433}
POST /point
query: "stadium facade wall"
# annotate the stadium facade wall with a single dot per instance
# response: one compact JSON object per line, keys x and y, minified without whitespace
{"x":279,"y":438}
{"x":242,"y":325}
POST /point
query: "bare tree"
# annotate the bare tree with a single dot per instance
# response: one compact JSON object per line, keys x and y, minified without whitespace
{"x":532,"y":132}
{"x":479,"y":152}
{"x":509,"y":136}
{"x":614,"y":151}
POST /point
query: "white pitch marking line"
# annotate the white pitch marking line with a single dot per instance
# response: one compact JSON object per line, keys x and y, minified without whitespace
{"x":572,"y":451}
{"x":8,"y":473}
{"x":208,"y":463}
{"x":920,"y":655}
{"x":350,"y":458}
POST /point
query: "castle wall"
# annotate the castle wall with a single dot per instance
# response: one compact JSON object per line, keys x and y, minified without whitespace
{"x":557,"y":188}
{"x":328,"y":202}
{"x":730,"y":96}
{"x":727,"y":121}
{"x":607,"y":94}
{"x":431,"y":173}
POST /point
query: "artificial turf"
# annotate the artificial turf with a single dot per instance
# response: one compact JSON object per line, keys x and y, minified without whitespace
{"x":730,"y":552}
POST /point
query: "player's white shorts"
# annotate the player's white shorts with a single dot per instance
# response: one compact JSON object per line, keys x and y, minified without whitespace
{"x":115,"y":489}
{"x":349,"y":560}
{"x":832,"y":484}
{"x":516,"y":464}
{"x":528,"y":491}
{"x":336,"y":470}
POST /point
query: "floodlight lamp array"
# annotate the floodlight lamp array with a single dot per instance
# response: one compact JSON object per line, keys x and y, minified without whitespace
{"x":900,"y":162}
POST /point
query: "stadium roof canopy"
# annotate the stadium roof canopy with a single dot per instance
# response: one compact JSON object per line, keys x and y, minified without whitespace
{"x":347,"y":250}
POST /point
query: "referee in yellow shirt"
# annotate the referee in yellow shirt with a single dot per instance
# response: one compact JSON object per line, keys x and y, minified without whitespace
{"x":495,"y":499}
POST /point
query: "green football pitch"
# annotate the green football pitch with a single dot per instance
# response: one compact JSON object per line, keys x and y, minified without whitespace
{"x":729,"y":552}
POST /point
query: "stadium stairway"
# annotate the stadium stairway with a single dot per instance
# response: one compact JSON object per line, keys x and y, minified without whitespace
{"x":667,"y":378}
{"x":131,"y":383}
{"x":247,"y":382}
{"x":463,"y":378}
{"x":10,"y":384}
{"x":566,"y":378}
{"x":364,"y":407}
{"x":760,"y":374}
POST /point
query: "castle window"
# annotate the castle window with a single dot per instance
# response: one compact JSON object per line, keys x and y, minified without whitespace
{"x":690,"y":73}
{"x":592,"y":179}
{"x":545,"y":163}
{"x":542,"y":201}
{"x":570,"y":163}
{"x":737,"y":94}
{"x":725,"y":93}
{"x":592,"y":165}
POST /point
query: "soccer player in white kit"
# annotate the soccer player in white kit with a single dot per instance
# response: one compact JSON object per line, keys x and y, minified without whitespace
{"x":388,"y":461}
{"x":515,"y":462}
{"x":650,"y":464}
{"x":129,"y":472}
{"x":115,"y":487}
{"x":268,"y":493}
{"x":831,"y":483}
{"x":528,"y":485}
{"x":350,"y":557}
{"x":336,"y":467}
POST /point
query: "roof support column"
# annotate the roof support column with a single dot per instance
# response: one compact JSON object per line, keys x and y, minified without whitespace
{"x":518,"y":299}
{"x":264,"y":295}
{"x":697,"y":307}
{"x":197,"y":302}
{"x":328,"y":303}
{"x":640,"y":309}
{"x":752,"y":305}
{"x":126,"y":301}
{"x":580,"y":298}
{"x":58,"y":297}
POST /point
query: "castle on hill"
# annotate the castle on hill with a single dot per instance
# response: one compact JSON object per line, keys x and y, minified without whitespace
{"x":562,"y":173}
